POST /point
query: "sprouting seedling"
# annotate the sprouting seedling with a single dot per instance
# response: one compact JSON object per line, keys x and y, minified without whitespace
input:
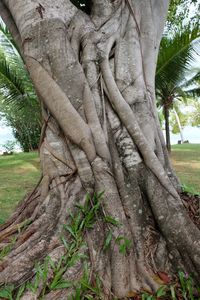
{"x":124,"y":244}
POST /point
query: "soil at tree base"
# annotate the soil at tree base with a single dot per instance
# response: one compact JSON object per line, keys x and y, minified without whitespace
{"x":192,"y":205}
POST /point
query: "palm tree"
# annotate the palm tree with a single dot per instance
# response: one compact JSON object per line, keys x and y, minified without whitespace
{"x":17,"y":95}
{"x":178,"y":52}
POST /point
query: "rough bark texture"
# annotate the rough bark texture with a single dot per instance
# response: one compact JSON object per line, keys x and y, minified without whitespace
{"x":94,"y":75}
{"x":167,"y":129}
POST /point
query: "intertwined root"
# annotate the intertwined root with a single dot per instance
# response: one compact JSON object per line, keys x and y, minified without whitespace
{"x":128,"y":264}
{"x":101,"y":134}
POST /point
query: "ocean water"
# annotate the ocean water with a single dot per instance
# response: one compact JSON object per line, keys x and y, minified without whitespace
{"x":192,"y":134}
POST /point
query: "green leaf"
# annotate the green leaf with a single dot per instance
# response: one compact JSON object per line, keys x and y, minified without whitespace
{"x":88,"y":297}
{"x":62,"y":285}
{"x":100,"y":195}
{"x":64,"y":242}
{"x":6,"y":292}
{"x":111,"y":220}
{"x":76,"y":257}
{"x":20,"y":292}
{"x":189,"y":287}
{"x":5,"y":295}
{"x":173,"y":293}
{"x":77,"y":295}
{"x":69,"y":229}
{"x":182,"y":281}
{"x":124,"y":244}
{"x":161,"y":291}
{"x":57,"y":278}
{"x":81,"y":207}
{"x":77,"y":221}
{"x":107,"y":240}
{"x":88,"y":286}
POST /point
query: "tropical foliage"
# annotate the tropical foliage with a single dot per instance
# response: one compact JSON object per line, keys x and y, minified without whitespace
{"x":174,"y":82}
{"x":195,"y":114}
{"x":182,"y":12}
{"x":18,"y":100}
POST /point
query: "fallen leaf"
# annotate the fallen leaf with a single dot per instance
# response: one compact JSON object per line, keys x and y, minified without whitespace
{"x":165,"y":277}
{"x":158,"y":280}
{"x":131,"y":294}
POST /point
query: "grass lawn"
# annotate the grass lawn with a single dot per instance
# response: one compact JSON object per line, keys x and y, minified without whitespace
{"x":18,"y":175}
{"x":186,"y":162}
{"x":20,"y":172}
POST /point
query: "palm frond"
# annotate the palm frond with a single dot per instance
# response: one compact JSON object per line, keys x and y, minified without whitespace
{"x":12,"y":88}
{"x":7,"y":40}
{"x":194,"y":80}
{"x":193,"y":92}
{"x":15,"y":85}
{"x":9,"y":77}
{"x":176,"y":55}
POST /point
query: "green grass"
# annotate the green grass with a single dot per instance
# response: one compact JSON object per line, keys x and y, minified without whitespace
{"x":20,"y":172}
{"x":186,"y":162}
{"x":18,"y":175}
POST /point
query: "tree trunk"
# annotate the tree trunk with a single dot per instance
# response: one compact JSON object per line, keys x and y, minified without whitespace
{"x":95,"y":75}
{"x":167,"y":129}
{"x":179,"y":125}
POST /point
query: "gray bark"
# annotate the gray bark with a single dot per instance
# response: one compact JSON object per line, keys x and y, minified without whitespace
{"x":95,"y":78}
{"x":167,"y":129}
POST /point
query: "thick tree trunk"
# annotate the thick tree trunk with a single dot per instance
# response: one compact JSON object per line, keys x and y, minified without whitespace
{"x":167,"y":129}
{"x":95,"y":78}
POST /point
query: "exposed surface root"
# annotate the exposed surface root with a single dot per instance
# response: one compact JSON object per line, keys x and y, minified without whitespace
{"x":101,"y":136}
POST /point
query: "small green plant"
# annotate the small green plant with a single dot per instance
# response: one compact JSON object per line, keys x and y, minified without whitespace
{"x":173,"y":292}
{"x":161,"y":292}
{"x":124,"y":244}
{"x":20,"y":292}
{"x":184,"y":289}
{"x":6,"y":292}
{"x":189,"y":189}
{"x":186,"y":285}
{"x":146,"y":296}
{"x":6,"y":250}
{"x":73,"y":240}
{"x":111,"y":220}
{"x":85,"y":290}
{"x":108,"y":240}
{"x":83,"y":220}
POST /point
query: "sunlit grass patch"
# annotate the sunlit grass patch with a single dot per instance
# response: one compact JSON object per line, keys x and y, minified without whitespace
{"x":186,"y":162}
{"x":18,"y":175}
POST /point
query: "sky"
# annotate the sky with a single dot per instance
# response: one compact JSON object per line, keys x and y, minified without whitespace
{"x":6,"y":135}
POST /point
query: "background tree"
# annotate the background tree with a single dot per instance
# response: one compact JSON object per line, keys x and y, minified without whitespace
{"x":182,"y":12}
{"x":177,"y":54}
{"x":18,"y":100}
{"x":94,"y":74}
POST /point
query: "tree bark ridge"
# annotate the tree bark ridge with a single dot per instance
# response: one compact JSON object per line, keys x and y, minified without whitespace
{"x":94,"y":75}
